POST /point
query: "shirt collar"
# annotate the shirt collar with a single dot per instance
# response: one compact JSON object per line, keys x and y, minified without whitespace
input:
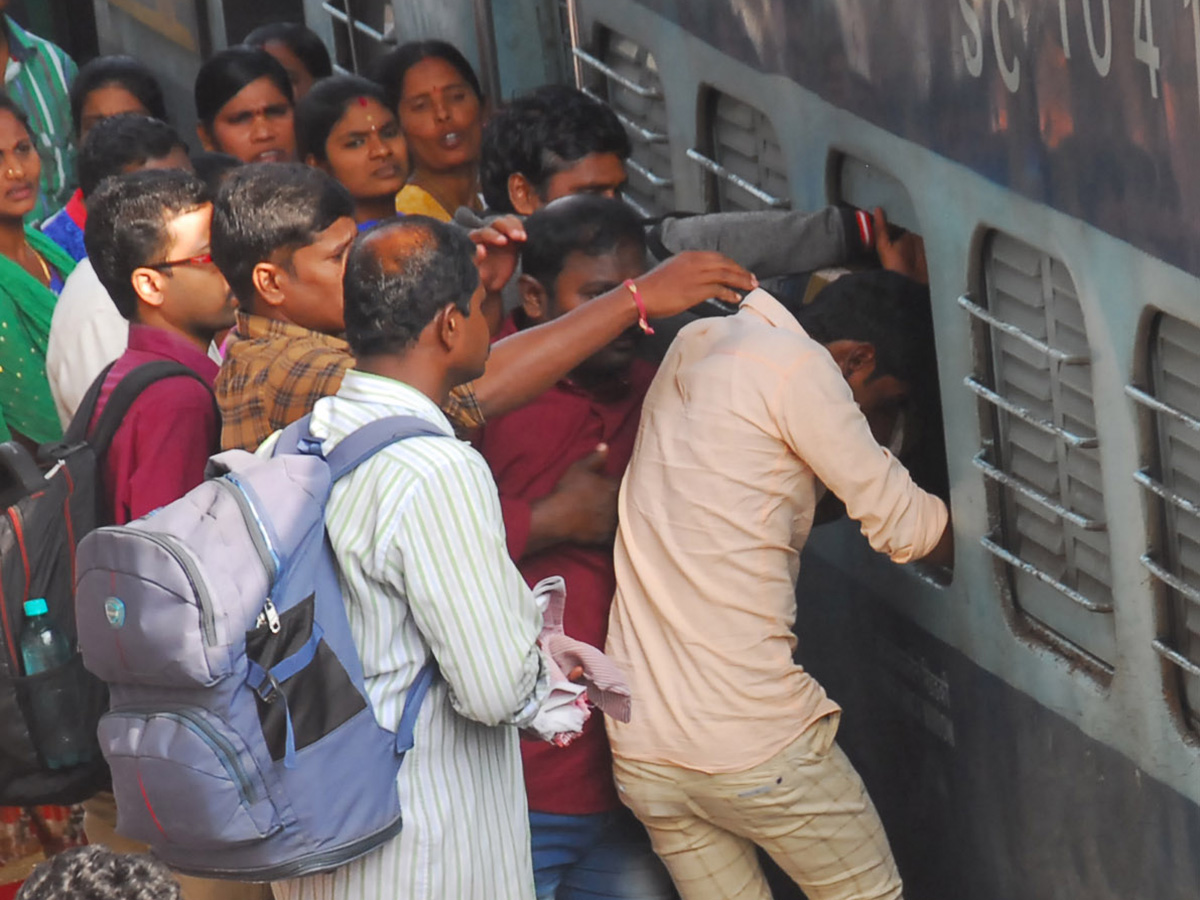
{"x":173,"y":346}
{"x":399,"y":398}
{"x":20,"y":47}
{"x":251,"y":327}
{"x":771,"y":310}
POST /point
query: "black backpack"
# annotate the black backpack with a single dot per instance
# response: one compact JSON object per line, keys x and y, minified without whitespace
{"x":49,"y":504}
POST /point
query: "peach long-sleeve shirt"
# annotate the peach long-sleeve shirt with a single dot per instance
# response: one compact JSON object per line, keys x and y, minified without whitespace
{"x":746,"y":419}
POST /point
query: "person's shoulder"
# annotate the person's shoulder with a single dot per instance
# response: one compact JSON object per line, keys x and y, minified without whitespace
{"x":56,"y":54}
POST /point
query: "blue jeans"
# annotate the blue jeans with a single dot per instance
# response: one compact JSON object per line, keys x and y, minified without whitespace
{"x":606,"y":856}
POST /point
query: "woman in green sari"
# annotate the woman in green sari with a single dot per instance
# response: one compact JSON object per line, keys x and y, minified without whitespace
{"x":32,"y":272}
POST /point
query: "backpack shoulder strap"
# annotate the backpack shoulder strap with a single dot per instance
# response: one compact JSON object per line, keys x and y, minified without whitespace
{"x":412,"y":707}
{"x":128,"y":390}
{"x":76,"y":432}
{"x":359,"y":446}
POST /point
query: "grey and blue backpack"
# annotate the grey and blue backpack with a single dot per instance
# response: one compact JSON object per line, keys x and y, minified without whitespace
{"x":241,"y":741}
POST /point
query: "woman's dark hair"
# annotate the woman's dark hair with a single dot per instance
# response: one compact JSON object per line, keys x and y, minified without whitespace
{"x":302,"y":41}
{"x":122,"y":71}
{"x":226,"y":73}
{"x":8,"y":104}
{"x":390,"y":71}
{"x":319,"y":112}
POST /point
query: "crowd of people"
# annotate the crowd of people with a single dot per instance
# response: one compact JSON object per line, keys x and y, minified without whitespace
{"x":357,"y":248}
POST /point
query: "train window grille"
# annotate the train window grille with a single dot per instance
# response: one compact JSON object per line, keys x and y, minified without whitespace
{"x":741,"y":157}
{"x":625,"y":76}
{"x":1043,"y":459}
{"x":363,"y":31}
{"x":1173,"y":481}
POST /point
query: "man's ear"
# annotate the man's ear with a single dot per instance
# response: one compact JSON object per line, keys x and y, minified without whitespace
{"x":149,"y":285}
{"x":206,"y":140}
{"x":522,"y":195}
{"x":449,"y":326}
{"x":268,"y":281}
{"x":535,"y":302}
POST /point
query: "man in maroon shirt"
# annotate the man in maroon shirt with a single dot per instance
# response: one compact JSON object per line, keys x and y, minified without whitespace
{"x":582,"y":428}
{"x":148,"y":239}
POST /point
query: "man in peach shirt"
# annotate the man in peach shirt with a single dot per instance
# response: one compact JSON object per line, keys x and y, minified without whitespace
{"x":748,"y":421}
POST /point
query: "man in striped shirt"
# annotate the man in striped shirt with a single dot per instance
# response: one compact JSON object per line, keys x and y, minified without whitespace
{"x":38,"y":76}
{"x":419,"y":537}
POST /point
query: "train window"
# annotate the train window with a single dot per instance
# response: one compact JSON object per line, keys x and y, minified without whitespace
{"x":626,"y":77}
{"x":363,"y":31}
{"x":1043,"y":457}
{"x":741,"y":157}
{"x":1173,"y":479}
{"x":859,"y":183}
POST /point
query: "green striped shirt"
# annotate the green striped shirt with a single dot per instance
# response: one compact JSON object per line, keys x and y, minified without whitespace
{"x":38,"y":78}
{"x":420,"y":543}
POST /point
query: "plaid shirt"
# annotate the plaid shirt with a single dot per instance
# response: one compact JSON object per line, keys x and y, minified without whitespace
{"x":275,"y":371}
{"x":38,"y":78}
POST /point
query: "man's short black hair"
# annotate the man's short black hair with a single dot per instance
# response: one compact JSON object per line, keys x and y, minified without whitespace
{"x":390,"y":298}
{"x":121,"y":141}
{"x":302,"y":41}
{"x":884,"y":309}
{"x":127,"y":225}
{"x":97,"y":873}
{"x":542,"y":134}
{"x":319,"y":112}
{"x":268,"y":208}
{"x":587,"y":224}
{"x":118,"y":71}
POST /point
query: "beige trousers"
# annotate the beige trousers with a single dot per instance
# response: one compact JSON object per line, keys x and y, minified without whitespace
{"x":100,"y":826}
{"x":806,"y":807}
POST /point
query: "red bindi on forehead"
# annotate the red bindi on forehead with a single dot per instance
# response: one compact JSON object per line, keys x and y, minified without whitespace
{"x":363,"y":102}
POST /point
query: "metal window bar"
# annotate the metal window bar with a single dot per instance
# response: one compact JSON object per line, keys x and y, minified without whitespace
{"x":657,"y":181}
{"x":1144,"y":478}
{"x":648,"y":136}
{"x":1153,"y":403}
{"x":1060,"y":356}
{"x":348,"y":19}
{"x":1027,"y":490}
{"x":1028,"y":568}
{"x":736,"y":180}
{"x":1030,"y":417}
{"x":647,"y":93}
{"x":1170,"y":654}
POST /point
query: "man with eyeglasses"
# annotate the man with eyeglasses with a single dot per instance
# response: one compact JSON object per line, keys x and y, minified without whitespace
{"x":147,"y":236}
{"x":148,"y":239}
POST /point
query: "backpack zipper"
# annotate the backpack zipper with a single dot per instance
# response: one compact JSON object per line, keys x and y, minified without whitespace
{"x":221,"y":746}
{"x":254,"y":524}
{"x":176,"y":550}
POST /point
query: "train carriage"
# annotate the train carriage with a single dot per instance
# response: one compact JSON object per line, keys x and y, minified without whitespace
{"x":1030,"y":725}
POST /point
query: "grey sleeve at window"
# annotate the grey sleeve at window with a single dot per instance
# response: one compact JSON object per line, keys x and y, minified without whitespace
{"x":768,"y":243}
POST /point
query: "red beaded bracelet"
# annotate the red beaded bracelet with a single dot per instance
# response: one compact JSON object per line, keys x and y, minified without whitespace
{"x":643,"y":322}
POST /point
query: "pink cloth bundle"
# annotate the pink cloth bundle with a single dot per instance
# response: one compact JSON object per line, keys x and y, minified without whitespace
{"x":606,"y":686}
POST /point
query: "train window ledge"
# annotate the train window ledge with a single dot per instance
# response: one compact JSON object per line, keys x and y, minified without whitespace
{"x":1172,"y":483}
{"x":1041,"y":461}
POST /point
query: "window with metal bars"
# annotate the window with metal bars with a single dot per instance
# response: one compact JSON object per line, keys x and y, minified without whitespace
{"x":363,"y":31}
{"x":741,"y":157}
{"x":625,"y":76}
{"x":1173,"y":480}
{"x":1043,"y":457}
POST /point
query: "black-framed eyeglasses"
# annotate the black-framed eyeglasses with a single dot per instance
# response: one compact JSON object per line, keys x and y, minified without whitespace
{"x":202,"y":259}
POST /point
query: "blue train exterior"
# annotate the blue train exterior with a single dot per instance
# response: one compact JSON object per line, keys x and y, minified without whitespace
{"x":1028,"y":729}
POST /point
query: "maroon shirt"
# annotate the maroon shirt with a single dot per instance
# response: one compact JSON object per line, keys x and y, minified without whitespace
{"x":528,"y":451}
{"x":159,"y":452}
